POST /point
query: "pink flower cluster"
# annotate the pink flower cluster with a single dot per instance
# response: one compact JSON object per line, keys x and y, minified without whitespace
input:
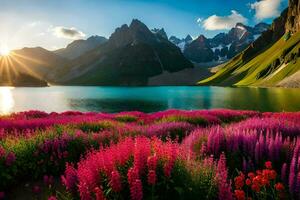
{"x":274,"y":137}
{"x":224,"y":185}
{"x":132,"y":153}
{"x":169,"y":129}
{"x":145,"y":155}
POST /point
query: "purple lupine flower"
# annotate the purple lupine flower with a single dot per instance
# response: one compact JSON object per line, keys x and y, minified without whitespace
{"x":292,"y":175}
{"x":70,"y":179}
{"x":224,"y":186}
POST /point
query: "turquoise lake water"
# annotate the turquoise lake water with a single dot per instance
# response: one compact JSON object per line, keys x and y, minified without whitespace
{"x":146,"y":99}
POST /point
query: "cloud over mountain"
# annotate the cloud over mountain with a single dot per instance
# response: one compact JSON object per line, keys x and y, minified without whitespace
{"x":215,"y":22}
{"x":265,"y":9}
{"x":68,"y":33}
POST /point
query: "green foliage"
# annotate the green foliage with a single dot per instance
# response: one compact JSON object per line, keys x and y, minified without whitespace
{"x":287,"y":36}
{"x":95,"y":126}
{"x":266,"y":69}
{"x":126,"y":118}
{"x":32,"y":162}
{"x":195,"y":120}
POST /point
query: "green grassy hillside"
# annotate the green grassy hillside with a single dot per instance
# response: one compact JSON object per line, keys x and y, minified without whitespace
{"x":268,"y":68}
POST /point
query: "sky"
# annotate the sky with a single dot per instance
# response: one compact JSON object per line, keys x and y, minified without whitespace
{"x":53,"y":24}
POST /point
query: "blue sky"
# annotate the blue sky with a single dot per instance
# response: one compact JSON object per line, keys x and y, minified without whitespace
{"x":40,"y":22}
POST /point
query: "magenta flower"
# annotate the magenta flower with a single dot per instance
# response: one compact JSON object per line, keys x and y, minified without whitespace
{"x":136,"y":190}
{"x":99,"y":194}
{"x":283,"y":172}
{"x":70,"y":179}
{"x":116,"y":181}
{"x":225,"y":192}
{"x":152,"y":162}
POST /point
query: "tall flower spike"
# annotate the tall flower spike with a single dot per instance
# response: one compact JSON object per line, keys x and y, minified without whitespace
{"x":116,"y":181}
{"x":99,"y":194}
{"x":224,"y":186}
{"x":283,"y":172}
{"x":70,"y":179}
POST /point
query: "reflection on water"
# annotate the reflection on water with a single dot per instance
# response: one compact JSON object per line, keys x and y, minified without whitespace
{"x":6,"y":100}
{"x":146,"y":99}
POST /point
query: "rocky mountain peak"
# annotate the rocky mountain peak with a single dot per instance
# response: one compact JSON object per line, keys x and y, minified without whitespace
{"x":201,"y":39}
{"x":160,"y":32}
{"x":137,"y":25}
{"x":132,"y":34}
{"x":188,"y":38}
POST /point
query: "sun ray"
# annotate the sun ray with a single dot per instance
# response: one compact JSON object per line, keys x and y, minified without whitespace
{"x":25,"y":67}
{"x":8,"y":70}
{"x":28,"y":58}
{"x":11,"y":65}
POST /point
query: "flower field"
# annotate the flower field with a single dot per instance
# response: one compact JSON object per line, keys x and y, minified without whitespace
{"x":173,"y":154}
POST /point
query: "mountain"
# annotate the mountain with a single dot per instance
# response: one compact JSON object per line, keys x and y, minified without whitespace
{"x":160,"y":32}
{"x":29,"y":67}
{"x":199,"y":50}
{"x":272,"y":60}
{"x":131,"y":55}
{"x":223,"y":46}
{"x":79,"y":47}
{"x":181,"y":43}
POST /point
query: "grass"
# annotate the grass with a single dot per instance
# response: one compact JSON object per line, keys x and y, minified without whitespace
{"x":259,"y":71}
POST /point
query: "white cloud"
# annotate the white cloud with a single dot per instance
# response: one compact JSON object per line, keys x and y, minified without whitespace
{"x":215,"y":22}
{"x":68,"y":33}
{"x":265,"y":9}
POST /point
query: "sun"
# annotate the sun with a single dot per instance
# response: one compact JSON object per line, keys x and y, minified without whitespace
{"x":4,"y":51}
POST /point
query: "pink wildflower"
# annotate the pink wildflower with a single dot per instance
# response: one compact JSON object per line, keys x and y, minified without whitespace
{"x":116,"y":181}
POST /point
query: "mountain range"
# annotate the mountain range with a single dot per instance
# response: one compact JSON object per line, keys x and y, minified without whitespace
{"x":130,"y":56}
{"x":134,"y":55}
{"x":221,"y":47}
{"x":272,"y":60}
{"x":29,"y":67}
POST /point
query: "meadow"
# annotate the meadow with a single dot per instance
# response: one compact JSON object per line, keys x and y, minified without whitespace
{"x":173,"y":154}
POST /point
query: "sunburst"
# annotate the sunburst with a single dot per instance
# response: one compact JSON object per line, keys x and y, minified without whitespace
{"x":4,"y":50}
{"x":15,"y":63}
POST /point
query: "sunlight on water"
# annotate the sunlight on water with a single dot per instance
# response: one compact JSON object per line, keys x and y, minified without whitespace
{"x":146,"y":99}
{"x":6,"y":100}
